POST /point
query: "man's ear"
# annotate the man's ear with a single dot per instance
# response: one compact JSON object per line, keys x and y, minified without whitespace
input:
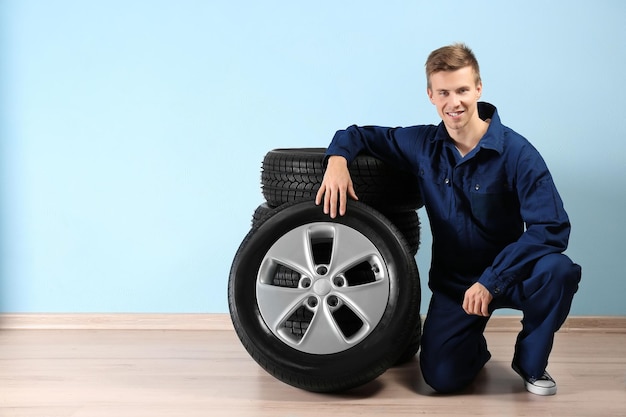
{"x":429,"y":92}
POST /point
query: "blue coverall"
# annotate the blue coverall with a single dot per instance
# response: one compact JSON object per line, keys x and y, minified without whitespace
{"x":496,"y":218}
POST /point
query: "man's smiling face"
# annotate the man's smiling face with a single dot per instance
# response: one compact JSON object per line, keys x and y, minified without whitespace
{"x":455,"y":94}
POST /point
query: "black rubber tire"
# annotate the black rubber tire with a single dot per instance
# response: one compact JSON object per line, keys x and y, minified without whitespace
{"x":407,"y":221}
{"x":261,"y":214}
{"x":357,"y":364}
{"x":409,"y":224}
{"x":297,"y":173}
{"x":414,"y":345}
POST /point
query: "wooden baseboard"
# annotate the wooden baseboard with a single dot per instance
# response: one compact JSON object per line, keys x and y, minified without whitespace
{"x":115,"y":321}
{"x":221,"y":321}
{"x":602,"y":324}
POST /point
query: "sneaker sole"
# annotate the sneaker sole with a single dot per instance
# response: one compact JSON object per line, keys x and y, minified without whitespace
{"x":534,"y":389}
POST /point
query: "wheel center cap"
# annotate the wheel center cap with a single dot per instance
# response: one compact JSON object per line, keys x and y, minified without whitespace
{"x":321,"y":287}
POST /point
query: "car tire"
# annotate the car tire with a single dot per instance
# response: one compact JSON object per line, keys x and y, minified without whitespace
{"x":297,"y":173}
{"x":324,"y":304}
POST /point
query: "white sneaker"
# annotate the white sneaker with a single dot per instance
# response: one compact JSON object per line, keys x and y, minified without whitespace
{"x":544,"y":385}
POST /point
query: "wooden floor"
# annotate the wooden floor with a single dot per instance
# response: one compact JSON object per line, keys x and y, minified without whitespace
{"x":88,"y":373}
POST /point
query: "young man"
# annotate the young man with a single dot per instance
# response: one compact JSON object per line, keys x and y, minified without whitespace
{"x":498,"y":225}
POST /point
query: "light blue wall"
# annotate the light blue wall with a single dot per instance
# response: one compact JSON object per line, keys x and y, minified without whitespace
{"x":133,"y":131}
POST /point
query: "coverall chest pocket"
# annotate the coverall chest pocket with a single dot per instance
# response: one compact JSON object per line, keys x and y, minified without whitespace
{"x":495,"y":207}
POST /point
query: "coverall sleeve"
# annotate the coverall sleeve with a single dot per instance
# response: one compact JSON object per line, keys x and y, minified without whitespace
{"x":547,"y":226}
{"x":392,"y":145}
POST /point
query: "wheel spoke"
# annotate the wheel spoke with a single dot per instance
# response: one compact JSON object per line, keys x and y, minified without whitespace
{"x":277,"y":303}
{"x":323,"y":336}
{"x":350,"y":248}
{"x":368,"y":301}
{"x":293,"y":250}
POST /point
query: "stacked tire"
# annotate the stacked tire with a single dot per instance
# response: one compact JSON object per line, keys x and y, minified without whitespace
{"x":328,"y":304}
{"x":296,"y":174}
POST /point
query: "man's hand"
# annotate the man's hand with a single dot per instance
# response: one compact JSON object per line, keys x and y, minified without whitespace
{"x":477,"y":299}
{"x":336,"y":187}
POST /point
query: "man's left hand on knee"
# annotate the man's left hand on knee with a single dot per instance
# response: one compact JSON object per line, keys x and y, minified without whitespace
{"x":477,"y":299}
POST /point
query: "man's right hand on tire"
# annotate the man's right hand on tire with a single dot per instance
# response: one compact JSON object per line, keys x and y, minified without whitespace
{"x":336,"y":187}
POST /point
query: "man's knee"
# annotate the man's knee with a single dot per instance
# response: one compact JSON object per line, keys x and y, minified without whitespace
{"x":443,"y":375}
{"x":550,"y":289}
{"x":451,"y":372}
{"x":559,"y":271}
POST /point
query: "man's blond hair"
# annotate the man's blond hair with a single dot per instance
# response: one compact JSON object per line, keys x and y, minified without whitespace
{"x":452,"y":58}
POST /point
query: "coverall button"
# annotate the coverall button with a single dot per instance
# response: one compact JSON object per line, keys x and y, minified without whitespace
{"x":477,"y":187}
{"x":447,"y":180}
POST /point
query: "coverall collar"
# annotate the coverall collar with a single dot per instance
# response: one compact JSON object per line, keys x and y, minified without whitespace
{"x":493,"y":138}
